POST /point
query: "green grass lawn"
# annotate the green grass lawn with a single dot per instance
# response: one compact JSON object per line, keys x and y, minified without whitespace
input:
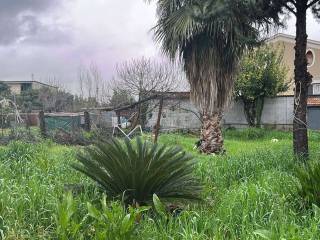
{"x":249,"y":193}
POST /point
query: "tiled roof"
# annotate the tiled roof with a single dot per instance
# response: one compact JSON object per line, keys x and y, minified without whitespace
{"x":314,"y":101}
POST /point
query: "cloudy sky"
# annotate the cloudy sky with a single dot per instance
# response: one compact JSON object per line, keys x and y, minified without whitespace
{"x":55,"y":37}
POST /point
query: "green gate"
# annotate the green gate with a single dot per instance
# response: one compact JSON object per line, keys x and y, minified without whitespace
{"x":67,"y":123}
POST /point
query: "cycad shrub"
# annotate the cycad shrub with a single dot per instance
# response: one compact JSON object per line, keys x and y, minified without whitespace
{"x":133,"y":172}
{"x":309,"y":183}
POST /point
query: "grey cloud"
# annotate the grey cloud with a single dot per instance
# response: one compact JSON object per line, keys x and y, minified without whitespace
{"x":19,"y":18}
{"x":14,"y":7}
{"x":53,"y":37}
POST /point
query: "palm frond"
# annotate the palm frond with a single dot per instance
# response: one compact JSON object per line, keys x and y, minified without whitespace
{"x":210,"y":37}
{"x":137,"y":171}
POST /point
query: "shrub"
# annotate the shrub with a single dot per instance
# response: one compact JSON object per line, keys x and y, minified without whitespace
{"x":134,"y":172}
{"x":309,"y":183}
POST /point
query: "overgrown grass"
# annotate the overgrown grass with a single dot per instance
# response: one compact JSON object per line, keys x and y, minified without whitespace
{"x":250,"y":193}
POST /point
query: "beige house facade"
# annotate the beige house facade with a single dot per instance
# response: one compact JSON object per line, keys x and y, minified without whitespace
{"x":286,"y":43}
{"x":17,"y":87}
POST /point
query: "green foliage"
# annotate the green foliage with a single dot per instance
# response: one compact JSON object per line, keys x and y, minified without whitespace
{"x":113,"y":222}
{"x":20,"y":151}
{"x":103,"y":222}
{"x":67,"y":227}
{"x":252,"y":133}
{"x":4,"y":90}
{"x":262,"y":74}
{"x":309,"y":183}
{"x":159,"y":206}
{"x":56,"y":100}
{"x":29,"y":100}
{"x":134,"y":172}
{"x":121,"y":97}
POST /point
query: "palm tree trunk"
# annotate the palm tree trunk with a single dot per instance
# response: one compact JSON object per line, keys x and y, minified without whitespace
{"x":211,"y":134}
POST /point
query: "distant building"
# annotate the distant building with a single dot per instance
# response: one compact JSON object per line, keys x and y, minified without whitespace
{"x":17,"y":87}
{"x":286,"y":43}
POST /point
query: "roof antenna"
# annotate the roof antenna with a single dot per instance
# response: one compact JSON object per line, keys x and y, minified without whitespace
{"x":32,"y":77}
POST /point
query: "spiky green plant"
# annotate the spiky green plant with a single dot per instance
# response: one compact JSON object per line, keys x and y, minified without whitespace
{"x":133,"y":172}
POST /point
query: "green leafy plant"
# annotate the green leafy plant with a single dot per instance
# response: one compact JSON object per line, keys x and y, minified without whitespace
{"x":159,"y":206}
{"x":113,"y":222}
{"x":133,"y":172}
{"x":104,"y":221}
{"x":67,"y":226}
{"x":309,"y":183}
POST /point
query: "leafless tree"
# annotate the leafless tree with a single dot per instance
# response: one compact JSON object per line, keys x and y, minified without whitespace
{"x":81,"y":78}
{"x":143,"y":78}
{"x":93,"y":87}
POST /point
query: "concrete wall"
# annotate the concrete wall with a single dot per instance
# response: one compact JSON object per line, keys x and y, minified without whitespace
{"x":176,"y":114}
{"x":277,"y":113}
{"x":36,"y":85}
{"x":15,"y":88}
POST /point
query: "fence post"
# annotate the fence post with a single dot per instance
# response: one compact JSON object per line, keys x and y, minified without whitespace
{"x":42,"y":124}
{"x":87,"y":122}
{"x":157,"y":126}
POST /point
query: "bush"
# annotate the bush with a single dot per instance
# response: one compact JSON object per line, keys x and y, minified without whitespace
{"x":309,"y":183}
{"x":134,"y":172}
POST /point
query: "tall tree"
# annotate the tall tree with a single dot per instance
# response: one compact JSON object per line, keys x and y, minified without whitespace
{"x":210,"y":37}
{"x":302,"y":77}
{"x":262,"y":74}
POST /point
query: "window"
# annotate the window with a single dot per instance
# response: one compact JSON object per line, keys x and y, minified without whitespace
{"x":26,"y":87}
{"x":310,"y":57}
{"x":316,"y":88}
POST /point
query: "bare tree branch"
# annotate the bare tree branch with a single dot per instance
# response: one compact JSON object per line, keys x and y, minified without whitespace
{"x":312,"y":3}
{"x":290,"y":9}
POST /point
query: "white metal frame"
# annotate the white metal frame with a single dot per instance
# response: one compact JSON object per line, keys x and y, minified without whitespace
{"x":129,"y":134}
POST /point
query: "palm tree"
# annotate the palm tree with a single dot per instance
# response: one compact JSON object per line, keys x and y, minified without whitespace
{"x":209,"y":36}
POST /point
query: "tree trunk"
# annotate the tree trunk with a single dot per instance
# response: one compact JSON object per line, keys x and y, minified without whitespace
{"x":259,"y":110}
{"x":302,"y":82}
{"x":253,"y":111}
{"x":250,"y":112}
{"x":211,"y":135}
{"x":87,"y":121}
{"x":42,"y":124}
